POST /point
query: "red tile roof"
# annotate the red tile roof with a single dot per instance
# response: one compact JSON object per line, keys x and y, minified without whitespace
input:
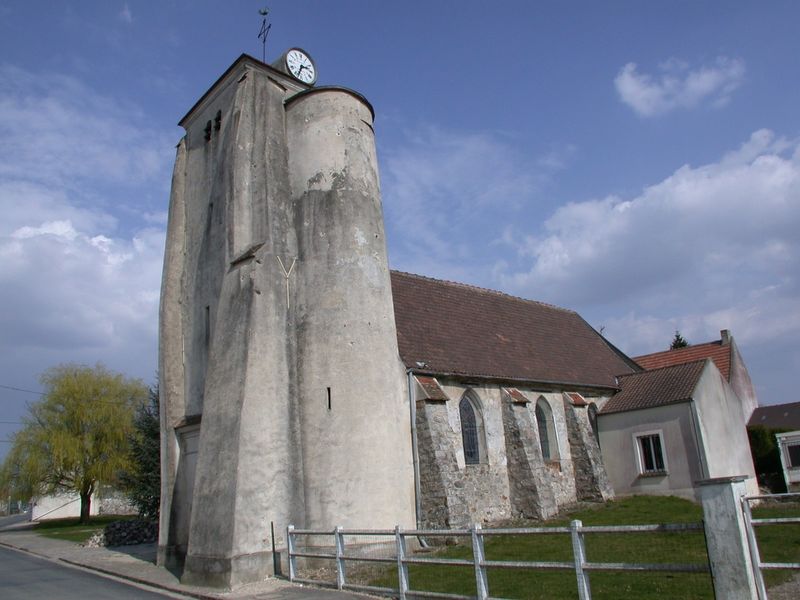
{"x":431,"y":389}
{"x":516,"y":396}
{"x":452,"y":328}
{"x":717,"y":351}
{"x":659,"y":387}
{"x":777,"y":416}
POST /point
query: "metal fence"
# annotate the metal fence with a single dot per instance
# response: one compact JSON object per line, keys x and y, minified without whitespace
{"x":401,"y":557}
{"x":755,"y":554}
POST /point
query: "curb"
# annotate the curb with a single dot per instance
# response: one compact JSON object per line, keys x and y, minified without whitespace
{"x":111,"y":573}
{"x":140,"y":580}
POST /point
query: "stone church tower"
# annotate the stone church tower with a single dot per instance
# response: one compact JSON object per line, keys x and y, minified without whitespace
{"x":282,"y":393}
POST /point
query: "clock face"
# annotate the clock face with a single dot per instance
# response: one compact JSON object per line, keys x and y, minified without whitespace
{"x":300,"y":66}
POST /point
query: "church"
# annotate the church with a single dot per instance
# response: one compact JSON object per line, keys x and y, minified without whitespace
{"x":303,"y":382}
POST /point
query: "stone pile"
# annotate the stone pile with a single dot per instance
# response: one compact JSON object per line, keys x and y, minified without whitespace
{"x":125,"y":533}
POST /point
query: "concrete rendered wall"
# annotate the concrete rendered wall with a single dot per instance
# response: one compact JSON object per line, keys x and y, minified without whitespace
{"x":357,"y":459}
{"x":741,"y":383}
{"x":722,"y":424}
{"x":618,"y":433}
{"x":224,"y":351}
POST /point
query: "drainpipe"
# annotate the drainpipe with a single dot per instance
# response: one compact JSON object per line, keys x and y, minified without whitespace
{"x":412,"y":403}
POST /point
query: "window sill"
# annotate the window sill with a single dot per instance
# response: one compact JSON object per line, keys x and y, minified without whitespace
{"x":654,"y":474}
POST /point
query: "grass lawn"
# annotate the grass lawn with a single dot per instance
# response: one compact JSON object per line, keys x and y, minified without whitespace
{"x":73,"y":531}
{"x":778,"y":543}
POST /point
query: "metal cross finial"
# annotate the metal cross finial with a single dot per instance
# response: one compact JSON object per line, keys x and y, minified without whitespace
{"x":262,"y":35}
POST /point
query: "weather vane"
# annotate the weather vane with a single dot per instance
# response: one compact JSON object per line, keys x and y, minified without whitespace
{"x":262,"y":35}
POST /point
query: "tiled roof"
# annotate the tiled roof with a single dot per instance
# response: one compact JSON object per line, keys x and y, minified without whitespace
{"x":516,"y":396}
{"x":452,"y":328}
{"x":717,"y":351}
{"x":658,"y":387}
{"x":777,"y":416}
{"x":431,"y":388}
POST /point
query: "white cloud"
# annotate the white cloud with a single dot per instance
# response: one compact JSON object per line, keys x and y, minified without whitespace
{"x":58,"y":132}
{"x":679,"y":86}
{"x":440,"y":188}
{"x":81,"y":247}
{"x":708,"y":248}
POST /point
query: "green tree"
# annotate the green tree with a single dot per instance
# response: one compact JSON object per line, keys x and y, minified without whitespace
{"x":678,"y":341}
{"x":77,"y":436}
{"x":142,"y":480}
{"x":767,"y":457}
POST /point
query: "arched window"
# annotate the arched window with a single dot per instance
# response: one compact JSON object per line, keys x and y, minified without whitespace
{"x":547,"y":430}
{"x":471,"y":430}
{"x":592,"y":413}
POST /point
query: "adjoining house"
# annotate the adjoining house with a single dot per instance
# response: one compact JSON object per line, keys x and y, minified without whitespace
{"x":726,"y":356}
{"x":783,"y":421}
{"x":673,"y":426}
{"x":506,"y":392}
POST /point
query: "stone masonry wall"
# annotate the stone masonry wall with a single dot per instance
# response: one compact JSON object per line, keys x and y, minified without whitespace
{"x":591,"y":480}
{"x":529,"y":485}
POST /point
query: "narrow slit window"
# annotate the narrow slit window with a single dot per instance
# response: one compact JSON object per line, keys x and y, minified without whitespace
{"x":329,"y":398}
{"x":207,"y":324}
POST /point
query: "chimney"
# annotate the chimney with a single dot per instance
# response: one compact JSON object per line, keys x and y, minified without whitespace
{"x":725,"y":336}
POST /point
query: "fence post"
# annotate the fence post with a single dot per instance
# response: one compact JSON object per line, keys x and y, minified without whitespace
{"x":755,"y":554}
{"x":290,"y":551}
{"x":402,"y":567}
{"x":478,"y":557}
{"x":339,"y":554}
{"x":579,"y":555}
{"x":726,"y":537}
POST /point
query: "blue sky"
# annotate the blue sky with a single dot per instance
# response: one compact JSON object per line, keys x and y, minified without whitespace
{"x":637,"y":162}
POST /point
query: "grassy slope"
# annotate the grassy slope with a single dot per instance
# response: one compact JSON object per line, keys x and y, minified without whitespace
{"x":71,"y":530}
{"x":641,"y":548}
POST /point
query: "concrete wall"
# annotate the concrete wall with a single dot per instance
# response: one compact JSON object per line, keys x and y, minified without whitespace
{"x":65,"y":506}
{"x":722,"y":424}
{"x":740,"y":381}
{"x":618,"y":433}
{"x":357,"y":459}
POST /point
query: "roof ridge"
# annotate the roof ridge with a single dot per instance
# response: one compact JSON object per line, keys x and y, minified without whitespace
{"x":483,"y":289}
{"x":675,"y":366}
{"x":680,"y":350}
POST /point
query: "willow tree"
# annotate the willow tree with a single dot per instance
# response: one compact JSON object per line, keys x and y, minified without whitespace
{"x":76,"y":438}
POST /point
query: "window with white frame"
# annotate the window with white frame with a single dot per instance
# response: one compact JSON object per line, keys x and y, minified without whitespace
{"x":650,"y":453}
{"x":793,"y":452}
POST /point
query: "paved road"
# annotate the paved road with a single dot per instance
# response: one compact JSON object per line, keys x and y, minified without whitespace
{"x":26,"y":577}
{"x":13,"y":519}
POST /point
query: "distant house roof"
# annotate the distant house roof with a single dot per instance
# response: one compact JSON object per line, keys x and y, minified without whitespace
{"x":659,"y":387}
{"x":718,"y":351}
{"x":452,"y":328}
{"x":777,"y":416}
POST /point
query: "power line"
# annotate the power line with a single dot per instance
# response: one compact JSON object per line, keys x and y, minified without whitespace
{"x":16,"y":389}
{"x":12,"y":422}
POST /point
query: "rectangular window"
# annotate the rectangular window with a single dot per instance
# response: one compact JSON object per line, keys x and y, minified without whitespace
{"x":794,"y":455}
{"x":651,"y":453}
